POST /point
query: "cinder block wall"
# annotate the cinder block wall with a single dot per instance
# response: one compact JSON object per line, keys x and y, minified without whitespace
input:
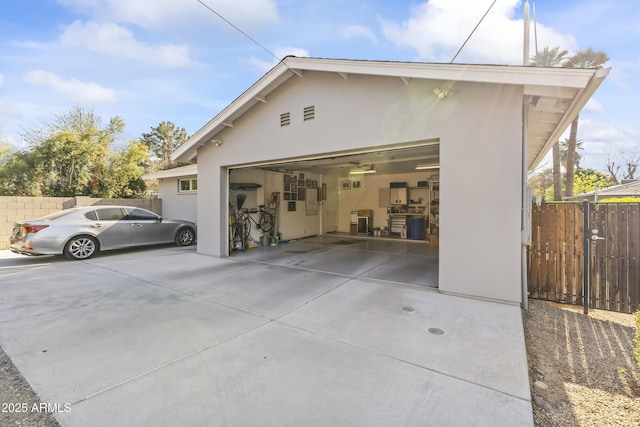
{"x":14,"y":209}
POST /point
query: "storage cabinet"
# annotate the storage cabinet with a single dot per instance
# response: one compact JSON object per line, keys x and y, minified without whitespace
{"x":398,"y":196}
{"x":397,"y":223}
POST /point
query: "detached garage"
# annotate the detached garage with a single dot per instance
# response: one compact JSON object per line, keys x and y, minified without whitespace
{"x":370,"y":147}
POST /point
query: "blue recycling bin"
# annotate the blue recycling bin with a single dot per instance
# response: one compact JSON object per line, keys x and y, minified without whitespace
{"x":416,"y":228}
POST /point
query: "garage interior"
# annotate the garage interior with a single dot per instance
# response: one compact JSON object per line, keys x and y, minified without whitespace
{"x":371,"y":213}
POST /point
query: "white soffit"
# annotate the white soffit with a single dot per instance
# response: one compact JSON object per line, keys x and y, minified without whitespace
{"x":550,"y":111}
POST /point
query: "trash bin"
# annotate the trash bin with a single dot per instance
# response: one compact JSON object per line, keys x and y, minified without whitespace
{"x":416,"y":228}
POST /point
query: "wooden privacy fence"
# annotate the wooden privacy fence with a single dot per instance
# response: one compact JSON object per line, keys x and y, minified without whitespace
{"x":557,"y":255}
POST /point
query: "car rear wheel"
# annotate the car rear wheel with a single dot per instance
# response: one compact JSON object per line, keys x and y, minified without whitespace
{"x":81,"y":247}
{"x":185,"y":237}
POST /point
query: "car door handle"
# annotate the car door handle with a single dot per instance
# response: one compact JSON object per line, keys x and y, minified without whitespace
{"x":136,"y":225}
{"x":96,"y":225}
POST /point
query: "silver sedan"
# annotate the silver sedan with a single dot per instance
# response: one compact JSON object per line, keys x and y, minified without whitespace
{"x":80,"y":233}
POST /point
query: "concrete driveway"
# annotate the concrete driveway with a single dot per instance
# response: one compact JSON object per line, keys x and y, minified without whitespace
{"x":167,"y":337}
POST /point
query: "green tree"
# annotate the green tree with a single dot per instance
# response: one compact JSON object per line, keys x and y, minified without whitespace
{"x":541,"y":181}
{"x":127,"y":165}
{"x":582,"y":59}
{"x":588,"y":180}
{"x":5,"y":153}
{"x":552,"y":58}
{"x":16,"y":175}
{"x":564,"y":150}
{"x":163,"y":140}
{"x":72,"y":155}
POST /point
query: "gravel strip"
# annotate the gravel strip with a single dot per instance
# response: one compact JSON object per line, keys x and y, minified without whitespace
{"x":582,"y":368}
{"x":17,"y":399}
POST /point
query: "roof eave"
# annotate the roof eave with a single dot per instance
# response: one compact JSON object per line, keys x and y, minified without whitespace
{"x":172,"y":173}
{"x":574,"y":109}
{"x":501,"y":74}
{"x":256,"y":93}
{"x":530,"y":77}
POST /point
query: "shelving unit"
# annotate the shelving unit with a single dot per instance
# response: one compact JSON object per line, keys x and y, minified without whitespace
{"x":419,"y":198}
{"x":433,"y":210}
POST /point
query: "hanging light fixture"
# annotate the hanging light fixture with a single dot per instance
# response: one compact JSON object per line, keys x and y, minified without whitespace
{"x":442,"y":93}
{"x":361,"y":171}
{"x":363,"y":167}
{"x":427,"y":167}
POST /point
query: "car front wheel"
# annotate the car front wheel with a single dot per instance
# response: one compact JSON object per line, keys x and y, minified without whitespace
{"x":185,"y":237}
{"x":81,"y":247}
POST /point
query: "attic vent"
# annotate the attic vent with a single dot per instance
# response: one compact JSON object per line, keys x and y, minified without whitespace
{"x":285,"y":119}
{"x":309,"y":113}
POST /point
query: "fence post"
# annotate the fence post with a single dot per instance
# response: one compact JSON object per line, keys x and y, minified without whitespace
{"x":587,"y":257}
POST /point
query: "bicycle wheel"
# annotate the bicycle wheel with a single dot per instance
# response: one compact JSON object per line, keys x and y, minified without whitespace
{"x":266,"y":222}
{"x":247,"y":227}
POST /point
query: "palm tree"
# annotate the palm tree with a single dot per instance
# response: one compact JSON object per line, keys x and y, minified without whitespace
{"x":582,"y":59}
{"x":552,"y":58}
{"x":548,"y":57}
{"x":564,"y":150}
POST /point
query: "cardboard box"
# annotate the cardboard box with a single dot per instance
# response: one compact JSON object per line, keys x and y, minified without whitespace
{"x":433,"y":240}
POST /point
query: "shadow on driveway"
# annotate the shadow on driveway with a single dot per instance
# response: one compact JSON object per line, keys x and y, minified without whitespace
{"x":165,"y":336}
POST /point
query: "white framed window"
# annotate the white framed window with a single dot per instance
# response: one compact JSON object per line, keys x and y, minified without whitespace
{"x":187,"y":185}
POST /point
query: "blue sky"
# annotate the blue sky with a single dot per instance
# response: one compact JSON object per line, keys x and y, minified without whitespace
{"x":149,"y":61}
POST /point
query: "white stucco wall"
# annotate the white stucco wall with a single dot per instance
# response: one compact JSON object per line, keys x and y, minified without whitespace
{"x":290,"y":224}
{"x":480,"y":197}
{"x":479,"y":128}
{"x":176,"y":205}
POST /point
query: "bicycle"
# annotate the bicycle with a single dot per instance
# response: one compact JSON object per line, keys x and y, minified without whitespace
{"x":264,"y":222}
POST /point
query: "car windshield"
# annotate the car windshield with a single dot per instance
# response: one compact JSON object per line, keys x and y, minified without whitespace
{"x":55,"y":215}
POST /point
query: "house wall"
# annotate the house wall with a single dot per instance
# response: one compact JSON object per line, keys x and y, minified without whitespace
{"x":479,"y":129}
{"x":178,"y":205}
{"x":367,"y":196}
{"x":290,"y":224}
{"x":481,"y":196}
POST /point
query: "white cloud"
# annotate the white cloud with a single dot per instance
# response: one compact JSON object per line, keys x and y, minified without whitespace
{"x":436,"y":29}
{"x":359,"y":31}
{"x":602,"y":140}
{"x":1,"y":80}
{"x":166,"y":14}
{"x":280,"y":52}
{"x":111,"y":39}
{"x":593,"y":106}
{"x":72,"y":89}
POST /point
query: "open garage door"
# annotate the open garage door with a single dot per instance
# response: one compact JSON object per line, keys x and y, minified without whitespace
{"x":385,"y":193}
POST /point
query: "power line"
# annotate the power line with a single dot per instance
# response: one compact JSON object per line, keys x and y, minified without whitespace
{"x":240,"y":31}
{"x":473,"y":31}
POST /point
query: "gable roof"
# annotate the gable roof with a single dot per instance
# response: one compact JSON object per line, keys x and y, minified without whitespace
{"x":554,"y":96}
{"x":173,"y":173}
{"x":629,"y":189}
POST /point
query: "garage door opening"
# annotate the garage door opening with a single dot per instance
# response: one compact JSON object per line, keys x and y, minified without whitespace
{"x":382,"y":201}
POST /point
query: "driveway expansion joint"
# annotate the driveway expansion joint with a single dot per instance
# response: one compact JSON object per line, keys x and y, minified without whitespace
{"x":397,"y":359}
